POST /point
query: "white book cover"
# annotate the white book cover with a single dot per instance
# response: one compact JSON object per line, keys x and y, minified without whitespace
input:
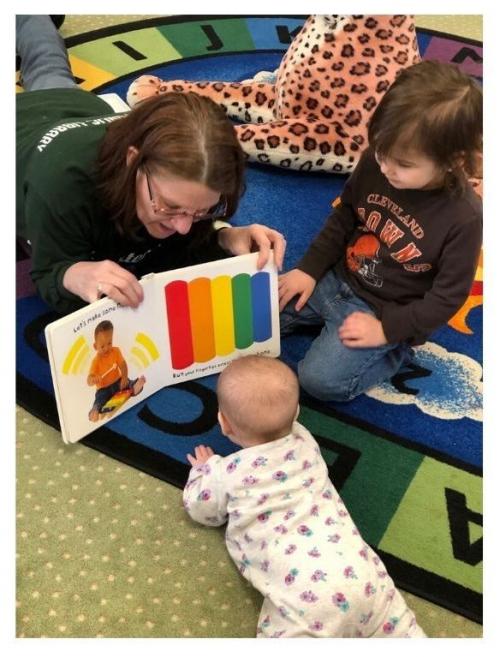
{"x":105,"y":358}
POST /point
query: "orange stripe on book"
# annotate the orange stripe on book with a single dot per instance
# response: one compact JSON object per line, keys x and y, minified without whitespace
{"x":201,"y":315}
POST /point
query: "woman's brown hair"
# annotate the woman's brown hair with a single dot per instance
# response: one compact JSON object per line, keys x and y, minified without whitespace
{"x":183,"y":134}
{"x":437,"y":110}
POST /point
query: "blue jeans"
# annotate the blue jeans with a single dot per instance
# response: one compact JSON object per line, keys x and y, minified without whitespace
{"x":331,"y":371}
{"x":44,"y":59}
{"x":103,"y":395}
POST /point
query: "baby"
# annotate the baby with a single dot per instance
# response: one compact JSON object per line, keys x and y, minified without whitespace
{"x":108,"y":370}
{"x":288,"y":531}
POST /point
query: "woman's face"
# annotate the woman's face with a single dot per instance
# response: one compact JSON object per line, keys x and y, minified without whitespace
{"x":167,"y":204}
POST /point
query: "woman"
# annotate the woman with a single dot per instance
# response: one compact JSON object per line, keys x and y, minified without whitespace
{"x":104,"y":199}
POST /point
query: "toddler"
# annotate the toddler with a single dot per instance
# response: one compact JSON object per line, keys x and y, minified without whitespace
{"x":108,"y":371}
{"x":396,"y":258}
{"x":288,"y":530}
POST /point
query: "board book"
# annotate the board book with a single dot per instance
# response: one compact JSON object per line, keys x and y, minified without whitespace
{"x":192,"y":322}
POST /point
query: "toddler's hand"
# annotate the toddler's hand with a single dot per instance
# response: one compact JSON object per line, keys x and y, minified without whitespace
{"x":292,"y":283}
{"x":201,"y":455}
{"x":362,"y":330}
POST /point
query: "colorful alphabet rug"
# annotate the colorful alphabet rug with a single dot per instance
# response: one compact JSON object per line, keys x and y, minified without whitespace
{"x":407,"y":456}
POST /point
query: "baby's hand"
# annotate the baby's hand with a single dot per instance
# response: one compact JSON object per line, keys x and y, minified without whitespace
{"x":201,"y":455}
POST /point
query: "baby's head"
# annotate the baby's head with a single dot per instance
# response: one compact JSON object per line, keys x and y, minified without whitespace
{"x":103,"y":337}
{"x":258,"y":400}
{"x":427,"y":129}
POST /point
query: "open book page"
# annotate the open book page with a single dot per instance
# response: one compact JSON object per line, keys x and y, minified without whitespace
{"x":104,"y":359}
{"x":217,"y":311}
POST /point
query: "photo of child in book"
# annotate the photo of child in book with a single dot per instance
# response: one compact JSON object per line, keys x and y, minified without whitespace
{"x":109,"y":373}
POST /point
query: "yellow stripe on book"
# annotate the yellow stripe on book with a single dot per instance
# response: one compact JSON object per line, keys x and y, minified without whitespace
{"x":140,"y":355}
{"x":148,"y":344}
{"x":222,"y":304}
{"x":81,"y":360}
{"x":72,"y":354}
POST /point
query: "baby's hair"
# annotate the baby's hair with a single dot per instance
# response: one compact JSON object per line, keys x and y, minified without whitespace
{"x":103,"y":327}
{"x":435,"y":109}
{"x":259,"y":395}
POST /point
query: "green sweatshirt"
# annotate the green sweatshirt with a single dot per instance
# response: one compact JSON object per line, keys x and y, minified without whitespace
{"x":59,"y":132}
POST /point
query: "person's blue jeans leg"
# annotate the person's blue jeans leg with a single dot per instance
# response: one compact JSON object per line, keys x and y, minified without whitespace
{"x":103,"y":395}
{"x":44,"y":59}
{"x":331,"y":371}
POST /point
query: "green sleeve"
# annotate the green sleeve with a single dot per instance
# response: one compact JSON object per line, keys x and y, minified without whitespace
{"x":57,"y":243}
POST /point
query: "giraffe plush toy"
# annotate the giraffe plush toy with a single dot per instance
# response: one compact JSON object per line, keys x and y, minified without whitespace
{"x":314,"y":116}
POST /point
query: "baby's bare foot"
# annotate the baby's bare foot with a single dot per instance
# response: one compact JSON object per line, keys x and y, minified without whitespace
{"x":138,"y":385}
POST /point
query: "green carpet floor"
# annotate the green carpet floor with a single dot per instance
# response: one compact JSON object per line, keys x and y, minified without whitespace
{"x":104,"y":550}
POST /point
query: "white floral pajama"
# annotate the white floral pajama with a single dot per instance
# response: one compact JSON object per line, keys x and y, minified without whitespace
{"x":291,"y":536}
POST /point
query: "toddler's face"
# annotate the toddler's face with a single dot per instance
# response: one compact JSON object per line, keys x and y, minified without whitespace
{"x":103,"y":342}
{"x":410,"y":170}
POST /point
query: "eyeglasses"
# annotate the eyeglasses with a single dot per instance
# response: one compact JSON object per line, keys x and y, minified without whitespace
{"x":217,"y":211}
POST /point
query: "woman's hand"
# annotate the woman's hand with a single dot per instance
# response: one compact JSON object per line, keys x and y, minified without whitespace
{"x":93,"y":280}
{"x":246,"y":239}
{"x":292,"y":283}
{"x":362,"y":330}
{"x":201,"y":455}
